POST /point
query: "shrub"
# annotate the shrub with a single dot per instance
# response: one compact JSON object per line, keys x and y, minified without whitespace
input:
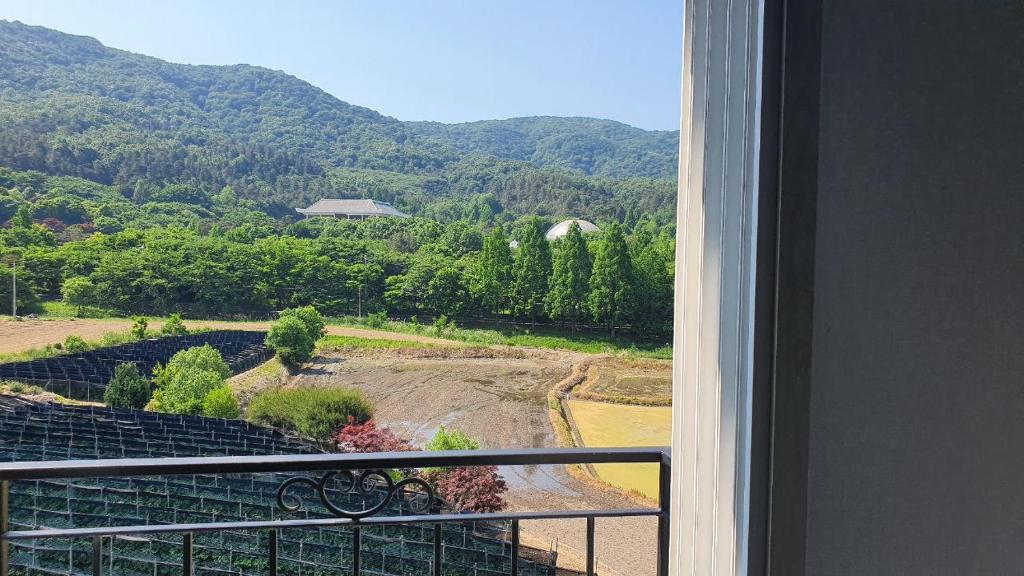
{"x":174,"y":326}
{"x":75,"y":344}
{"x":310,"y":318}
{"x":454,"y":440}
{"x":139,"y":327}
{"x":127,"y":389}
{"x":183,"y":384}
{"x":442,"y":325}
{"x":186,"y":389}
{"x":368,"y":437}
{"x":377,"y":319}
{"x":472,"y":489}
{"x":203,"y":357}
{"x":289,"y":338}
{"x":221,"y":403}
{"x":313,"y":412}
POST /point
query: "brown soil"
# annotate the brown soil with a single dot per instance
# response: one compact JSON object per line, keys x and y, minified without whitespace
{"x":36,"y":333}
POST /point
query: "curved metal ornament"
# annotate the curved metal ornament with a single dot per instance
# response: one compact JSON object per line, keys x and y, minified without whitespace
{"x":362,"y":483}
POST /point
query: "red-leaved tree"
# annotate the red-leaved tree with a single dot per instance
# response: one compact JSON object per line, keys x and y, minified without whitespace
{"x":367,"y":437}
{"x":474,"y":488}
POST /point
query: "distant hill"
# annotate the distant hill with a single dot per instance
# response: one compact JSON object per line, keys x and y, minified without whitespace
{"x":73,"y":107}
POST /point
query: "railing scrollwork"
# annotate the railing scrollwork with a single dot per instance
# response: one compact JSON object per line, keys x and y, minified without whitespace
{"x":364,"y":483}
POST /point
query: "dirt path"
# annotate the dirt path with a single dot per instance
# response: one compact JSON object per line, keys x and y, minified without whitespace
{"x":37,"y":333}
{"x":500,"y":400}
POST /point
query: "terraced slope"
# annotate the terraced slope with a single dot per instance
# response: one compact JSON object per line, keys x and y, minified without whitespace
{"x":84,"y":376}
{"x":32,"y":431}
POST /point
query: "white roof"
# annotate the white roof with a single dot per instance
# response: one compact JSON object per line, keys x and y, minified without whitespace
{"x":562,"y":228}
{"x":332,"y":207}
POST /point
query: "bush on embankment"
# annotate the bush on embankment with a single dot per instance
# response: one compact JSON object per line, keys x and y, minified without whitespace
{"x":312,"y":412}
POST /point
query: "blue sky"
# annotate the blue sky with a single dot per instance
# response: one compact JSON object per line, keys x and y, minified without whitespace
{"x":444,"y":60}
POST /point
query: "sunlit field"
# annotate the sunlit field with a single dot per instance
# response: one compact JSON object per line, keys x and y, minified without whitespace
{"x":605,"y":424}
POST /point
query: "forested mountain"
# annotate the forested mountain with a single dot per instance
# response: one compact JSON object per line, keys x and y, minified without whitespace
{"x":163,"y":133}
{"x":588,"y":145}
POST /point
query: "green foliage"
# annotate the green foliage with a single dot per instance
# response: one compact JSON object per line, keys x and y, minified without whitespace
{"x":310,"y":318}
{"x":174,"y":326}
{"x":186,"y":389}
{"x":377,"y":319}
{"x":189,"y":376}
{"x":127,"y":388}
{"x":289,"y":338}
{"x":79,"y":292}
{"x":74,"y":344}
{"x":221,"y":403}
{"x":611,"y":285}
{"x":139,"y":327}
{"x":194,"y":143}
{"x":494,"y":276}
{"x":445,"y":439}
{"x":566,"y":298}
{"x":449,"y":440}
{"x":312,"y":412}
{"x":531,"y":270}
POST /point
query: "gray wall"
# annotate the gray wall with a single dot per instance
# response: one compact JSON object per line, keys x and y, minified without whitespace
{"x":917,"y":399}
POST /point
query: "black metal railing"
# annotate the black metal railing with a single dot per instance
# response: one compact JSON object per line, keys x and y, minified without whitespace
{"x":361,"y":473}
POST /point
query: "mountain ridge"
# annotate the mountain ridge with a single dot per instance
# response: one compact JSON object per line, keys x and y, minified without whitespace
{"x":73,"y":106}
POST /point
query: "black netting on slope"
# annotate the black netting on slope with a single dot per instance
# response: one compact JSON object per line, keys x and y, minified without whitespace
{"x":84,"y":375}
{"x":30,"y":431}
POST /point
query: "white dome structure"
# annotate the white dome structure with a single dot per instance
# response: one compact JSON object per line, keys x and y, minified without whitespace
{"x":562,"y":228}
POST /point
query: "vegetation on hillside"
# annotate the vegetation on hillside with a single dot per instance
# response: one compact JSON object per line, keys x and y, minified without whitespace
{"x":312,"y":412}
{"x":167,"y":138}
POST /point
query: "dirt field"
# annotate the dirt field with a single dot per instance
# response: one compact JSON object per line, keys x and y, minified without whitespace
{"x":37,"y":333}
{"x":499,"y":399}
{"x":628,"y":381}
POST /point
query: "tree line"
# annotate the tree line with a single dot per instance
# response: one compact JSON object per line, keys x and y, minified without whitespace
{"x":407,"y":267}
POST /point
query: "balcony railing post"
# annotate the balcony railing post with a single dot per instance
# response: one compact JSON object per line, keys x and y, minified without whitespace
{"x":356,"y":550}
{"x":186,"y":554}
{"x":97,"y":555}
{"x":5,"y":516}
{"x":515,"y":548}
{"x":273,"y":552}
{"x":665,"y":506}
{"x":438,"y":548}
{"x":591,"y":529}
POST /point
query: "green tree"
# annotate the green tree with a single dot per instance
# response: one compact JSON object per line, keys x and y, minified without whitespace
{"x":22,"y":218}
{"x":446,"y":293}
{"x":310,"y":318}
{"x":174,"y":326}
{"x":186,"y":390}
{"x":127,"y":388}
{"x":79,"y":292}
{"x":531,"y":270}
{"x":289,"y":338}
{"x":611,"y":283}
{"x":652,"y":255}
{"x":494,"y":273}
{"x":566,"y":299}
{"x":139,"y":327}
{"x":182,"y":385}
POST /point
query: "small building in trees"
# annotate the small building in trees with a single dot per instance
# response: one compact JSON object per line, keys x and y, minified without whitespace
{"x":351,"y":209}
{"x":562,"y":228}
